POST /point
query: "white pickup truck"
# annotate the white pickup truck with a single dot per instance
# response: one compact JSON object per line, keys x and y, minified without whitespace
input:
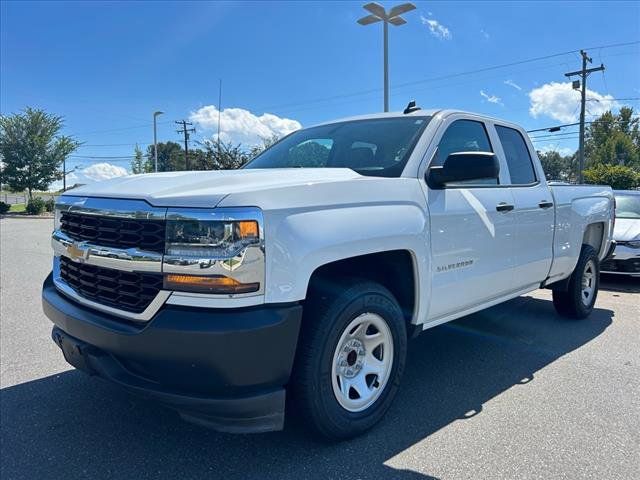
{"x":300,"y":277}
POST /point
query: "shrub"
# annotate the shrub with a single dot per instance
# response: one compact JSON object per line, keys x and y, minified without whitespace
{"x":618,"y":177}
{"x":4,"y":207}
{"x":50,"y":204}
{"x":35,"y":206}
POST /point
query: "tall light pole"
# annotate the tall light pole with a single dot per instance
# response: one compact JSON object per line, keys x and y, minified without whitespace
{"x":155,"y":141}
{"x":379,"y":14}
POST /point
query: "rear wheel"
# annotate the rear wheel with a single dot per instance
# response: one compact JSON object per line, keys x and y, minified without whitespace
{"x":580,"y":297}
{"x":350,"y":358}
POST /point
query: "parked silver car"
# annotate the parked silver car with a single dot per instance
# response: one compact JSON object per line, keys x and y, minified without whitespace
{"x":626,"y":256}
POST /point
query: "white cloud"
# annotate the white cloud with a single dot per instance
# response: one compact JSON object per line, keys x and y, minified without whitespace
{"x":484,"y":33}
{"x":436,"y":28}
{"x":513,"y":84}
{"x":491,"y":98}
{"x":103,"y":171}
{"x":561,"y":102}
{"x":241,"y":126}
{"x":564,"y":151}
{"x":93,"y":173}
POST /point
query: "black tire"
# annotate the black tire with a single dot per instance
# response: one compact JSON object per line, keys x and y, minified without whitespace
{"x":328,"y":312}
{"x":570,"y":303}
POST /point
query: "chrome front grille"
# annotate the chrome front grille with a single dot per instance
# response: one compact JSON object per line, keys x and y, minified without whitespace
{"x":108,"y":255}
{"x":129,"y":291}
{"x":143,"y":234}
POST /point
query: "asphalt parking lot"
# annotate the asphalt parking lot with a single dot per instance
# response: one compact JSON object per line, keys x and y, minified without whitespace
{"x":512,"y":392}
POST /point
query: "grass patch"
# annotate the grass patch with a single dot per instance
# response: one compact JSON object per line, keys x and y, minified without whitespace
{"x":18,"y":208}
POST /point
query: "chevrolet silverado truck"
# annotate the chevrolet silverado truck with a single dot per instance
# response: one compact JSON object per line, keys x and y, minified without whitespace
{"x":298,"y":279}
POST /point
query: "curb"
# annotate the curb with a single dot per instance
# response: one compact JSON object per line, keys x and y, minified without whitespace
{"x":29,"y":217}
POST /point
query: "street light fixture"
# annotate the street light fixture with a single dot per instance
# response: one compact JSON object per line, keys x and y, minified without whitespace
{"x":379,"y":14}
{"x":155,"y":141}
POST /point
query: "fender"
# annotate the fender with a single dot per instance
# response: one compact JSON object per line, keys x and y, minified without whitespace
{"x":300,"y":242}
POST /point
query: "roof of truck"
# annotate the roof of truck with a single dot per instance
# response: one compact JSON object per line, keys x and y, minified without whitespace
{"x":418,"y":113}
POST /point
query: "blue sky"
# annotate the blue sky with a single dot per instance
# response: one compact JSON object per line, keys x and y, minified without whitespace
{"x":107,"y":66}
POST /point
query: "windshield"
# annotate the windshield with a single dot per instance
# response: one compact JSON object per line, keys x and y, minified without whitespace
{"x":376,"y":147}
{"x":627,"y":206}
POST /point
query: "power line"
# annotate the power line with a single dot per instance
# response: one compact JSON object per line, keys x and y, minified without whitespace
{"x":554,"y":135}
{"x":551,"y":129}
{"x":397,"y":86}
{"x":446,"y":77}
{"x":555,"y":139}
{"x":115,"y":144}
{"x":119,"y":129}
{"x":98,"y":157}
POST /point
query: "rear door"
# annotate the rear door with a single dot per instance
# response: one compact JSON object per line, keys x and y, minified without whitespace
{"x":471,"y":234}
{"x":534,"y":210}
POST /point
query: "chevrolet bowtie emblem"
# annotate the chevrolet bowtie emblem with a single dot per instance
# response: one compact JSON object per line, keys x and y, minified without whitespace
{"x":78,"y":251}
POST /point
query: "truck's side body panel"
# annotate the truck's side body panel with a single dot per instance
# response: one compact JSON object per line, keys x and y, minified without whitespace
{"x":577,"y":207}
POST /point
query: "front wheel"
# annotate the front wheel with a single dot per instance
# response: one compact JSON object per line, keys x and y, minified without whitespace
{"x":350,"y":358}
{"x":580,"y":297}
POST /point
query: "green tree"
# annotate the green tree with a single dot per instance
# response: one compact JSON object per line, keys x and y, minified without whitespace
{"x":556,"y":166}
{"x":33,"y":150}
{"x":140,"y":164}
{"x":170,"y":157}
{"x":223,"y":156}
{"x":266,"y":143}
{"x":619,"y":177}
{"x":614,"y":139}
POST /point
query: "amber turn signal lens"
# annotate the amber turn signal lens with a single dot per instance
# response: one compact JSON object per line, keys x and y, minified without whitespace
{"x":208,"y":284}
{"x":248,"y":229}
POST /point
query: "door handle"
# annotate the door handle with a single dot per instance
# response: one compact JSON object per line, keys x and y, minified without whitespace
{"x":504,"y":207}
{"x":545,"y":204}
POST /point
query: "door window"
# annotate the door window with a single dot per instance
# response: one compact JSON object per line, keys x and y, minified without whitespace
{"x":517,"y":156}
{"x":465,"y":136}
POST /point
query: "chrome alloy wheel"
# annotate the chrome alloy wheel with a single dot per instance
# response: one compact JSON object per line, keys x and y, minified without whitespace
{"x":362,"y":362}
{"x":588,"y":282}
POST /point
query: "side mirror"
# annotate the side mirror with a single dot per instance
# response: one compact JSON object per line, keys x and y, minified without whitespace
{"x":464,"y":166}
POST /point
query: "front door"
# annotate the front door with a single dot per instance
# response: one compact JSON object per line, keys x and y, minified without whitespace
{"x":472,"y":229}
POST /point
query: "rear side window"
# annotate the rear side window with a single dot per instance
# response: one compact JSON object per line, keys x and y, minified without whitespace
{"x":517,"y":156}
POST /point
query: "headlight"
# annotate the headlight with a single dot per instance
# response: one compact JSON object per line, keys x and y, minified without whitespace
{"x":210,"y":238}
{"x":214,"y":251}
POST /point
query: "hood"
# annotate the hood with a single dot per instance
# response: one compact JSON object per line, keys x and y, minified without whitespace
{"x":626,"y":229}
{"x":209,"y":188}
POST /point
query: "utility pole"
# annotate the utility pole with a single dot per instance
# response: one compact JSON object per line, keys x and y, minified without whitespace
{"x":219,"y":112}
{"x":65,"y":173}
{"x":155,"y":141}
{"x":185,"y":131}
{"x":582,"y":83}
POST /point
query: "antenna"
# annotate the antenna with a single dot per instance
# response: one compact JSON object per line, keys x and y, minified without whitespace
{"x":411,"y":107}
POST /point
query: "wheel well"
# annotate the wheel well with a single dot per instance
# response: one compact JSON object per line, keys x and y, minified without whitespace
{"x":393,"y":269}
{"x":593,"y":235}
